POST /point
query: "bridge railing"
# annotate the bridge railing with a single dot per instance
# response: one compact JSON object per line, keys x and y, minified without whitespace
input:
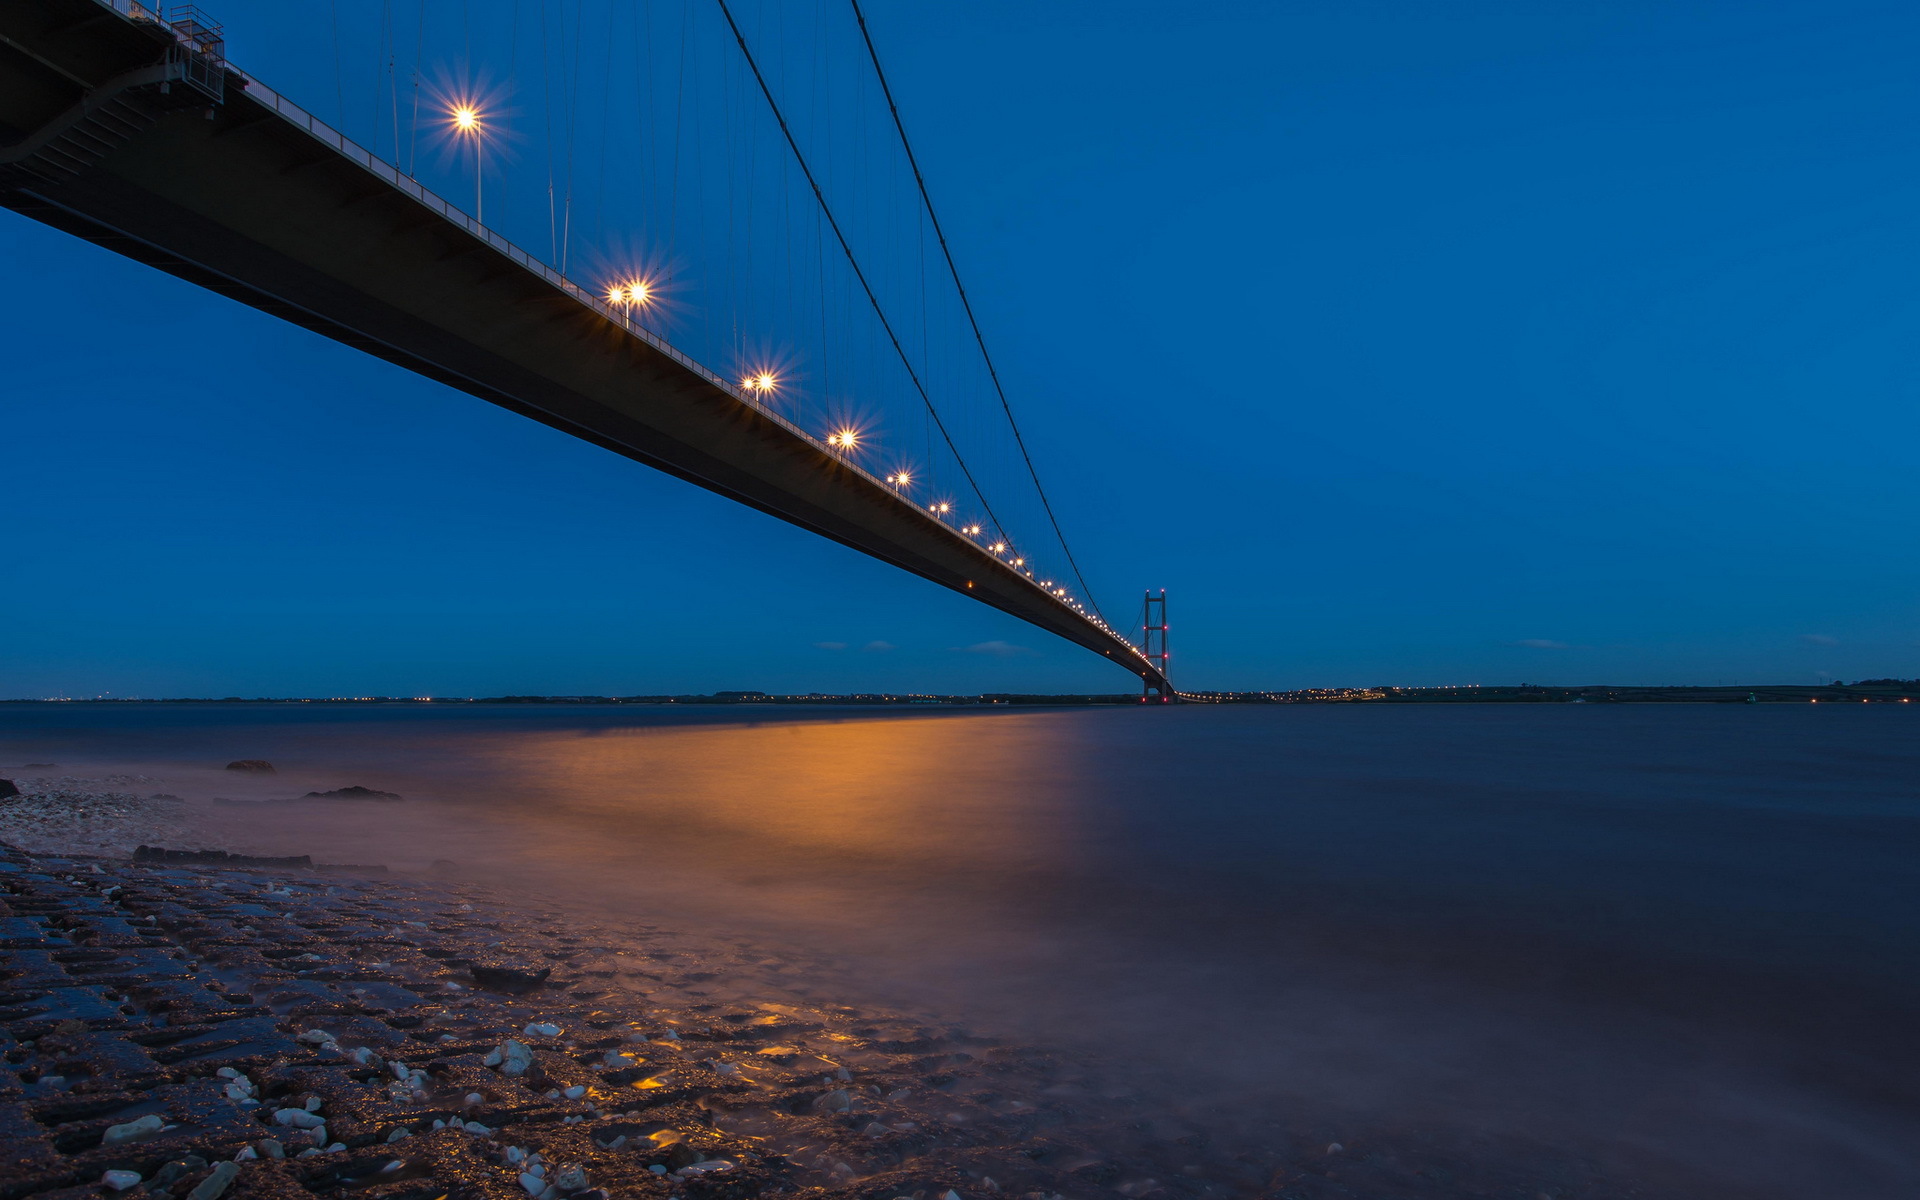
{"x":394,"y":177}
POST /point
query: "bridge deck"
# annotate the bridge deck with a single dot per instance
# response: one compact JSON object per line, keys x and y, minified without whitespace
{"x":252,"y":198}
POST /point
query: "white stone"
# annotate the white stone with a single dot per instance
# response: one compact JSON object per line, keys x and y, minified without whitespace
{"x":133,"y":1131}
{"x":515,"y":1057}
{"x":120,"y":1181}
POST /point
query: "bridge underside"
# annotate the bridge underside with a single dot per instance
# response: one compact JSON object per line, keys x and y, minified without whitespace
{"x":101,"y":137}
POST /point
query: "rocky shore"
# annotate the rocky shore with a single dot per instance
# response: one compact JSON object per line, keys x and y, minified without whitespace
{"x":108,"y":815}
{"x":202,"y":1028}
{"x":194,"y":1033}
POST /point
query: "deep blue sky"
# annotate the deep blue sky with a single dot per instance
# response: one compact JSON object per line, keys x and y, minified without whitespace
{"x":1400,"y":342}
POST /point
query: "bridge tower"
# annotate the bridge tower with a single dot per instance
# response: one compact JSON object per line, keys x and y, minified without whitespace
{"x":1153,"y":641}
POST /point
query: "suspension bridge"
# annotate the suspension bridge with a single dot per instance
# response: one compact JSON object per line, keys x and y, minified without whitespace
{"x":128,"y":127}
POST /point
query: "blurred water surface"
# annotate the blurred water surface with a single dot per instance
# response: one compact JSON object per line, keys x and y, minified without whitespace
{"x":1686,"y":936}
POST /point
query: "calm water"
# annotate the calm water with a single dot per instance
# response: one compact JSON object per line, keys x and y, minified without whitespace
{"x":1685,"y":937}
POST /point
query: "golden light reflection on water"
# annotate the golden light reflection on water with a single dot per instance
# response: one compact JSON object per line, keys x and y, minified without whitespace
{"x":873,"y":793}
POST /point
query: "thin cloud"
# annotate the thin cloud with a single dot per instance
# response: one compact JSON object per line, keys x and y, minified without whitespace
{"x":997,"y":649}
{"x":1542,"y":644}
{"x":878,"y":647}
{"x":1820,"y":639}
{"x":829,"y":645}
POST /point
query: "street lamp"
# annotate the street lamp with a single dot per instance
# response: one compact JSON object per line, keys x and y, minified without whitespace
{"x":468,"y":122}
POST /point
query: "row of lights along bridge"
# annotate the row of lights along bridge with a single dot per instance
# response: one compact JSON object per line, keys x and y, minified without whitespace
{"x":627,"y":295}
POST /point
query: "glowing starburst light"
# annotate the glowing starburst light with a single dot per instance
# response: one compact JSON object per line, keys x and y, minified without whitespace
{"x":900,"y":479}
{"x":465,"y":118}
{"x":631,"y":291}
{"x":844,"y":439}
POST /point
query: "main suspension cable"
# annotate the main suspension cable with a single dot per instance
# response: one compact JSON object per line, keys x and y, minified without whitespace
{"x":967,"y":305}
{"x":847,"y":249}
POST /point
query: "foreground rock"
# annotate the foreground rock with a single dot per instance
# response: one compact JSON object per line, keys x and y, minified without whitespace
{"x":355,"y":792}
{"x":8,"y":789}
{"x":219,"y":858}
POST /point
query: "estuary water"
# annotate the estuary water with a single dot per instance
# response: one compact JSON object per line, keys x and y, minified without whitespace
{"x":1678,"y":941}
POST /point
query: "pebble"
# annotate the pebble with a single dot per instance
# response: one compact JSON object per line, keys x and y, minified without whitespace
{"x":120,"y":1181}
{"x":511,"y":1056}
{"x":543,"y":1030}
{"x":133,"y":1131}
{"x":298,"y":1118}
{"x":215,"y":1184}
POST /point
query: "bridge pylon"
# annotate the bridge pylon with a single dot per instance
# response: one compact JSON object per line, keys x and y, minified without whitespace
{"x":1153,"y":645}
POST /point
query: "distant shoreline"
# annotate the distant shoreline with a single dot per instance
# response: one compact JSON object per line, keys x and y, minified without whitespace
{"x":1867,"y":691}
